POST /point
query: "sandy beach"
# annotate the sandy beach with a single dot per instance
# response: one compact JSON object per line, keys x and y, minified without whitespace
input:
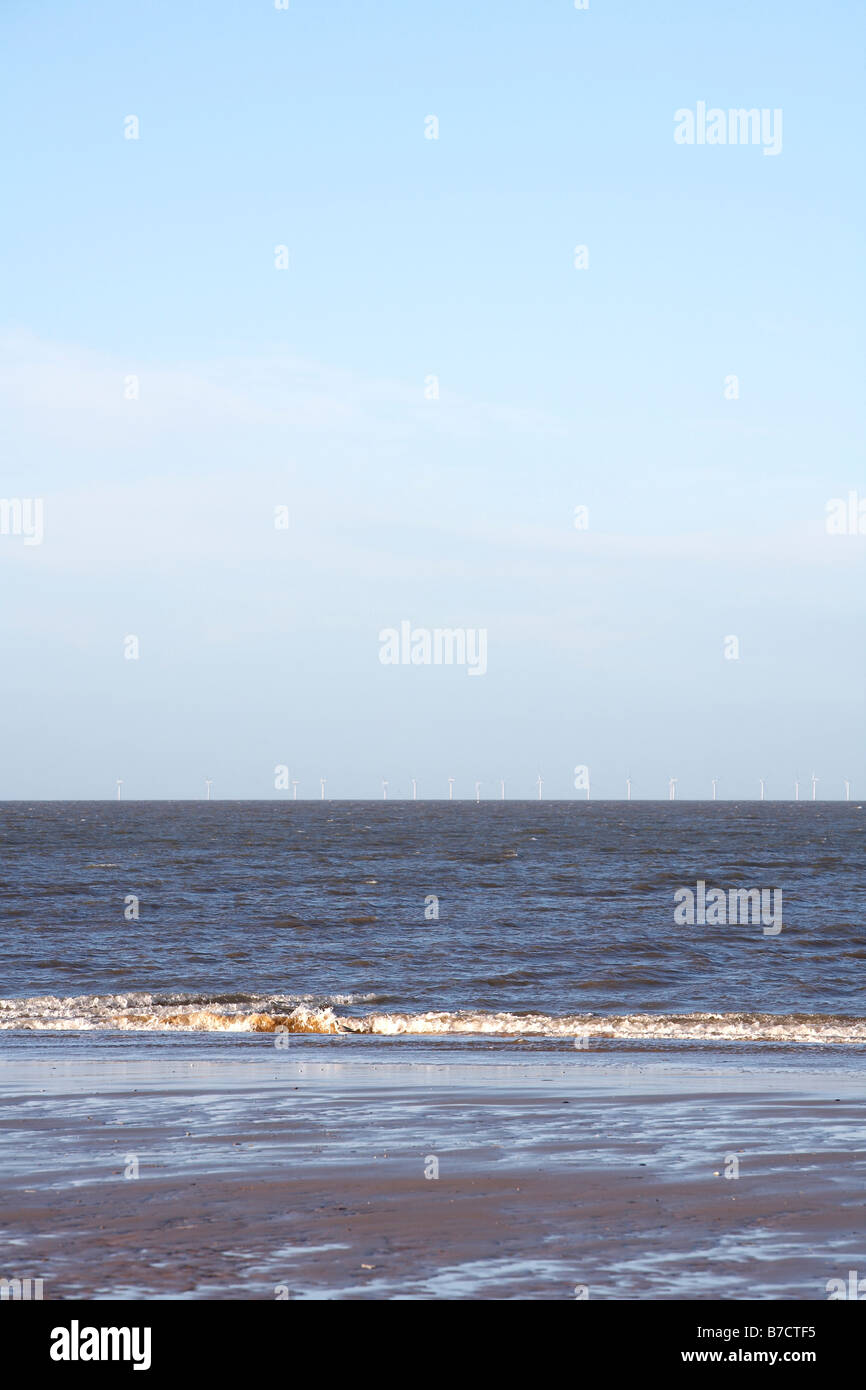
{"x":302,"y":1175}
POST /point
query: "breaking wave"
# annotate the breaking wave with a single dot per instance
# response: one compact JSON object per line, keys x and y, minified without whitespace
{"x":241,"y":1013}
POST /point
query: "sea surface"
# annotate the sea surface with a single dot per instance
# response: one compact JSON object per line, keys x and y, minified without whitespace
{"x":479,"y":924}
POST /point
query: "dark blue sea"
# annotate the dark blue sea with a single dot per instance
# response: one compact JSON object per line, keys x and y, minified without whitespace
{"x":438,"y":919}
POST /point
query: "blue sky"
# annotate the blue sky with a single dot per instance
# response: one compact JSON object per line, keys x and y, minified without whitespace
{"x":305,"y":388}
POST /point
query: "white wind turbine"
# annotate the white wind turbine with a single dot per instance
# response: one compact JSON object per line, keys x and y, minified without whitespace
{"x":294,"y":790}
{"x":761,"y":780}
{"x":208,"y":781}
{"x":477,"y":792}
{"x":814,"y":787}
{"x":414,"y":790}
{"x":119,"y":786}
{"x":628,"y":789}
{"x":539,"y":786}
{"x":847,"y":789}
{"x":323,"y":781}
{"x":384,"y":790}
{"x":450,"y":788}
{"x":672,"y":788}
{"x":796,"y":791}
{"x":715,"y":780}
{"x":502,"y":788}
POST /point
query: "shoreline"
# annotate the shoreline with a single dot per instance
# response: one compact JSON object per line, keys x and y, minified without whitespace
{"x":260,"y":1172}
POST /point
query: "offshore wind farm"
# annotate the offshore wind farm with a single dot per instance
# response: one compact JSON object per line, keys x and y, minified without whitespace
{"x":670,"y":792}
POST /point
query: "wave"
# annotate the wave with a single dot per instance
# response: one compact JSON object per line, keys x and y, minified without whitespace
{"x":310,"y":1014}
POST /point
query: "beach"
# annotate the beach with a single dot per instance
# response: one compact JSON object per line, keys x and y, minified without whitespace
{"x":264,"y":1174}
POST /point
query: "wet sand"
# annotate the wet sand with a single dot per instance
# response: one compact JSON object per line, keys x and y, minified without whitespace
{"x":305,"y":1177}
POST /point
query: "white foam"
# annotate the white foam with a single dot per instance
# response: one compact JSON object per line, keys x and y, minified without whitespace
{"x":308,"y":1014}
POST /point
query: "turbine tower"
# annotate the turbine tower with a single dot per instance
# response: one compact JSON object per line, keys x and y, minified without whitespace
{"x":539,"y":786}
{"x":384,"y":790}
{"x":294,"y":790}
{"x":761,"y":780}
{"x":847,"y":789}
{"x":323,"y":780}
{"x":796,"y":791}
{"x":119,"y":785}
{"x":715,"y":780}
{"x":450,"y":788}
{"x":814,"y":787}
{"x":414,"y":790}
{"x":477,"y":792}
{"x":628,"y":789}
{"x":208,"y":781}
{"x":672,"y":788}
{"x":502,"y":788}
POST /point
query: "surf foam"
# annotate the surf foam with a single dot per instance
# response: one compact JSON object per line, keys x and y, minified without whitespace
{"x":307,"y":1014}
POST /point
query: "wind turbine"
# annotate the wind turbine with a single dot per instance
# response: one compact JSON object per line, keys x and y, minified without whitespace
{"x":847,"y":789}
{"x":502,"y":788}
{"x":323,"y":780}
{"x":715,"y":780}
{"x":208,"y":781}
{"x":450,"y":788}
{"x":628,"y":789}
{"x":294,"y":790}
{"x":814,"y":786}
{"x":672,"y":788}
{"x":539,"y":786}
{"x":477,"y":792}
{"x":119,"y":785}
{"x":796,"y":791}
{"x":761,"y":780}
{"x":414,"y":790}
{"x":384,"y":790}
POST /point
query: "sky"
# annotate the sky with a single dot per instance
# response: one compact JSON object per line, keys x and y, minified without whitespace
{"x":284,"y":293}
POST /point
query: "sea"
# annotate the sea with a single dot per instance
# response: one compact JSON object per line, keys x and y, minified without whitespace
{"x":453,"y":922}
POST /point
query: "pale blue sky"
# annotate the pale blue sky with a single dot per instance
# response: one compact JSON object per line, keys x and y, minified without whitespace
{"x":305,"y":387}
